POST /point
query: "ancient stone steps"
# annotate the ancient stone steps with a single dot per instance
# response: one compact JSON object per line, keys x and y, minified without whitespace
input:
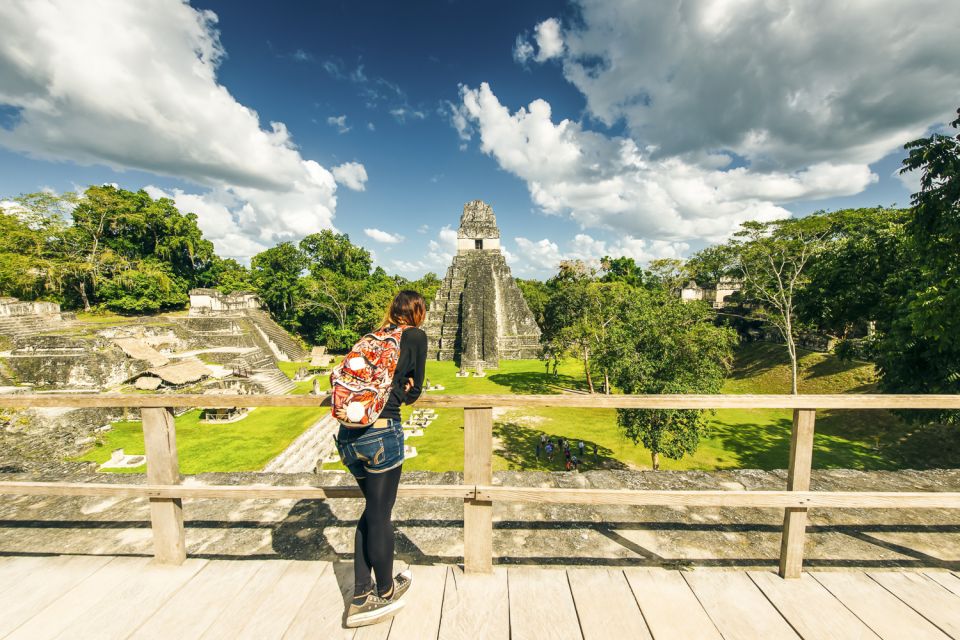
{"x":287,"y":345}
{"x":273,"y":381}
{"x":307,"y":450}
{"x":20,"y":326}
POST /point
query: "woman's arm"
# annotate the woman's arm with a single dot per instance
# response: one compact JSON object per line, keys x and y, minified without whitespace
{"x":418,"y":354}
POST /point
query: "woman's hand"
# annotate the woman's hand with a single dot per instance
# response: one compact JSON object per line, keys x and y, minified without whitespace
{"x":408,"y":385}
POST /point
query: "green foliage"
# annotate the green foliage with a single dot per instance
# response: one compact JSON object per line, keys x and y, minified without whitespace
{"x":277,"y":274}
{"x":227,"y":276}
{"x":622,"y":269}
{"x":148,"y":288}
{"x":853,"y":282}
{"x":100,"y":248}
{"x":536,"y":293}
{"x":427,"y":286}
{"x":659,"y":344}
{"x":919,"y":352}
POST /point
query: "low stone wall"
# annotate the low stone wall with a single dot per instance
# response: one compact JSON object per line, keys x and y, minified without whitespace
{"x":431,"y":530}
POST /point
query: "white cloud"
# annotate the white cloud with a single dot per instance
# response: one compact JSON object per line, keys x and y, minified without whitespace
{"x":549,"y":43}
{"x":609,"y":182}
{"x":439,"y":255}
{"x":134,"y":85}
{"x":522,"y":50}
{"x":383,"y":236}
{"x":400,"y":114}
{"x":784,"y":84}
{"x":352,"y":175}
{"x":549,"y":40}
{"x":541,"y":258}
{"x":340,"y":122}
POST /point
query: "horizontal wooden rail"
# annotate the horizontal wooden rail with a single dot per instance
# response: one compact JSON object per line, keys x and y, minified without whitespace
{"x":489,"y":493}
{"x":230,"y":492}
{"x":721,"y":498}
{"x":668,"y":401}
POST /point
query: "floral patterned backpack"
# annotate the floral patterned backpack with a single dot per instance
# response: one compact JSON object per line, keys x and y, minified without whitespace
{"x":360,"y":384}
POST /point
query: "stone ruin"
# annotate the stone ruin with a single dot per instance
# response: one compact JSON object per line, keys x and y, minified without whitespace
{"x":479,"y":316}
{"x":225,"y":342}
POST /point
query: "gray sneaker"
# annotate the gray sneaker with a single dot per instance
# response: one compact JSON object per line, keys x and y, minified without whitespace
{"x":372,"y":609}
{"x":401,"y":582}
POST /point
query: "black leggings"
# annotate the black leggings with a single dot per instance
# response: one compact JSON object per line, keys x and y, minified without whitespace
{"x":373,"y":543}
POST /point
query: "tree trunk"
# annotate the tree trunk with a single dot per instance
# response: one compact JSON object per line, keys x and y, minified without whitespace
{"x":83,"y":295}
{"x":586,"y":369}
{"x":656,"y":460}
{"x":606,"y":382}
{"x":792,"y":348}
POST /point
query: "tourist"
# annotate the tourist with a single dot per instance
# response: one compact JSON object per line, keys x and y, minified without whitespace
{"x":596,"y":458}
{"x":538,"y":450}
{"x":568,"y":464}
{"x":374,"y":455}
{"x":581,"y":447}
{"x":550,"y":450}
{"x":576,"y":463}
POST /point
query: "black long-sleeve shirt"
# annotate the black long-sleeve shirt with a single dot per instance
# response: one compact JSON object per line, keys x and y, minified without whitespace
{"x":411,"y":364}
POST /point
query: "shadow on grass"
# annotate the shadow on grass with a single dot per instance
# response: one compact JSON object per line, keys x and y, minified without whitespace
{"x":841,"y":441}
{"x":532,"y":382}
{"x":518,"y":446}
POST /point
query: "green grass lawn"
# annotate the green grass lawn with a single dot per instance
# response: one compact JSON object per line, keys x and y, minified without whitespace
{"x":753,"y":438}
{"x":246,"y":445}
{"x":739,"y":438}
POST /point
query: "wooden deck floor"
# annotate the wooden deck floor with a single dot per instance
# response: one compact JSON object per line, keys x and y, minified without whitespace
{"x":128,"y":597}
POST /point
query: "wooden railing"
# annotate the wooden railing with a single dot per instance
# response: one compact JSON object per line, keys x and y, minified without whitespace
{"x":166,"y":494}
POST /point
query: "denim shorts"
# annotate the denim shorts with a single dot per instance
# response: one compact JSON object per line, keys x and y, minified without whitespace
{"x":371,"y":449}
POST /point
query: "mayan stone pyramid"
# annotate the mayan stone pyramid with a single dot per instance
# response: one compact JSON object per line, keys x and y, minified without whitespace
{"x":479,"y":315}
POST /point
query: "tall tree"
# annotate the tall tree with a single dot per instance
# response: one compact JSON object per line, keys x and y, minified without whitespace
{"x":277,"y":274}
{"x":772,"y":258}
{"x":660,"y":344}
{"x":920,"y":350}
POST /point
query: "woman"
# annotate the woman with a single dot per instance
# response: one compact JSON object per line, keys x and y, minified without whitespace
{"x":374,"y":455}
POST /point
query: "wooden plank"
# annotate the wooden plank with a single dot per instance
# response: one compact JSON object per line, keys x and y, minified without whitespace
{"x":712,"y":498}
{"x":938,"y":605}
{"x":59,"y":615}
{"x":322,"y":612}
{"x":652,"y":401}
{"x":669,"y":607}
{"x":477,"y":469}
{"x":475,"y":606}
{"x":14,"y":568}
{"x":231,"y":621}
{"x":798,"y":479}
{"x":420,"y":618}
{"x":276,"y":611}
{"x":737,"y":606}
{"x":230,"y":492}
{"x":946,"y":580}
{"x":810,"y":609}
{"x":541,"y":605}
{"x":879,"y":609}
{"x":194,"y":607}
{"x":597,"y":593}
{"x":166,"y":514}
{"x":124,"y":607}
{"x":35,"y":591}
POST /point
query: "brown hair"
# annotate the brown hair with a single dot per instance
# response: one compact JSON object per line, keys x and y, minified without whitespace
{"x":408,"y":308}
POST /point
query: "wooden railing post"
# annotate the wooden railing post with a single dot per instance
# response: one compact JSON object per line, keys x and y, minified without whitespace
{"x":477,"y":470}
{"x":166,"y":514}
{"x":798,"y":479}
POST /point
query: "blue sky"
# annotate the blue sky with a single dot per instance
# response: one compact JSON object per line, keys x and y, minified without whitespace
{"x":646,"y":129}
